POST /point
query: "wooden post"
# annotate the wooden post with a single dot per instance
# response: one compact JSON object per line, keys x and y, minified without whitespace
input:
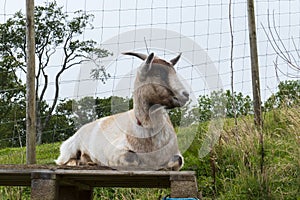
{"x":30,"y":85}
{"x":255,"y":80}
{"x":183,"y":186}
{"x":43,"y":186}
{"x":254,"y":64}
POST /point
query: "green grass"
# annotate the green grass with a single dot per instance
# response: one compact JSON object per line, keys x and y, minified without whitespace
{"x":45,"y":154}
{"x":230,"y":171}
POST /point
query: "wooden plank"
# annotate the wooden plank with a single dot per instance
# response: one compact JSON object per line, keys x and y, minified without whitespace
{"x":77,"y":183}
{"x":17,"y":175}
{"x":14,"y":178}
{"x":109,"y":178}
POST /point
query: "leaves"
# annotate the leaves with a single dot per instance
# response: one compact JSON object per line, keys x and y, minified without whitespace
{"x":288,"y":95}
{"x":54,"y":29}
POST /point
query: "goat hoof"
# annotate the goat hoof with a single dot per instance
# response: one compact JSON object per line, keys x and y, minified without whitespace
{"x":175,"y":163}
{"x":91,"y":164}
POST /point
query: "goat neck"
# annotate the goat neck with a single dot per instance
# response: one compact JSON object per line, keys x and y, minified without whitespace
{"x":147,"y":116}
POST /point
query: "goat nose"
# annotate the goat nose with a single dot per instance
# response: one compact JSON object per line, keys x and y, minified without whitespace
{"x":186,"y":94}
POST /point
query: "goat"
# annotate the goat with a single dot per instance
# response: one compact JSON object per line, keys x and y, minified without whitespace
{"x":141,"y":138}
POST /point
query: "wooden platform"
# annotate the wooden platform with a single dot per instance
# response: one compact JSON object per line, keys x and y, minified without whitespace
{"x":53,"y":182}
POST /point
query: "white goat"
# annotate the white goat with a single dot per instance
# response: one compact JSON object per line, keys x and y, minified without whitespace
{"x":141,"y":138}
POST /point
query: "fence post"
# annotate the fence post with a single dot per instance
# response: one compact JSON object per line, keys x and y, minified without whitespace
{"x":254,"y":64}
{"x":255,"y":79}
{"x":30,"y":85}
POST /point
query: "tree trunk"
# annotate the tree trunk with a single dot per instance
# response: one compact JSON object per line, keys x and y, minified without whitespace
{"x":39,"y":131}
{"x":39,"y":124}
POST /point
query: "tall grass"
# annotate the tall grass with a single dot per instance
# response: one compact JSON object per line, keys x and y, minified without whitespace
{"x":230,"y":171}
{"x":236,"y":172}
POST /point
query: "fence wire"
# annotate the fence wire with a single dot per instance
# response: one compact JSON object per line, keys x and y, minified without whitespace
{"x":199,"y":30}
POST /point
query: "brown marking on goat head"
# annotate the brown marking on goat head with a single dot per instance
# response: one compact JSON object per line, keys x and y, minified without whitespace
{"x":162,"y":62}
{"x":156,"y":59}
{"x":159,"y":94}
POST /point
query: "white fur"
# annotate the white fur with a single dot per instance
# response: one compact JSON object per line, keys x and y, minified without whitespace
{"x":107,"y":145}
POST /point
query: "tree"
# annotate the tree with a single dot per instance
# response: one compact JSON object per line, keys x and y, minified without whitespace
{"x":12,"y":105}
{"x":218,"y":105}
{"x":288,"y":95}
{"x":84,"y":111}
{"x":61,"y":125}
{"x":54,"y":30}
{"x":243,"y":104}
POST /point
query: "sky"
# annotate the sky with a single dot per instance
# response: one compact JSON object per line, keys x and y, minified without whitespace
{"x":198,"y":29}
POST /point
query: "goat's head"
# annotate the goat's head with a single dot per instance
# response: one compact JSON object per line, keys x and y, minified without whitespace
{"x":158,"y":83}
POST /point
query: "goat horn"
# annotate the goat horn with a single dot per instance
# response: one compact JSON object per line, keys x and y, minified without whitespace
{"x":150,"y":58}
{"x":175,"y":60}
{"x":139,"y":55}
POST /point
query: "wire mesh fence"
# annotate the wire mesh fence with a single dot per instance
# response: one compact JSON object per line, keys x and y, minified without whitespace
{"x":213,"y":54}
{"x":81,"y":75}
{"x":70,"y":78}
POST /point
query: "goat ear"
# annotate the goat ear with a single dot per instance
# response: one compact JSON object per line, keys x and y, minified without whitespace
{"x":175,"y":60}
{"x":139,"y":55}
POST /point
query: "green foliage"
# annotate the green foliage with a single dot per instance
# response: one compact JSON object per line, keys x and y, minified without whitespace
{"x":288,"y":95}
{"x":175,"y":116}
{"x":219,"y":104}
{"x":84,"y":111}
{"x":12,"y":106}
{"x":112,"y":105}
{"x":205,"y":108}
{"x":236,"y":158}
{"x":15,"y":192}
{"x":243,"y":105}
